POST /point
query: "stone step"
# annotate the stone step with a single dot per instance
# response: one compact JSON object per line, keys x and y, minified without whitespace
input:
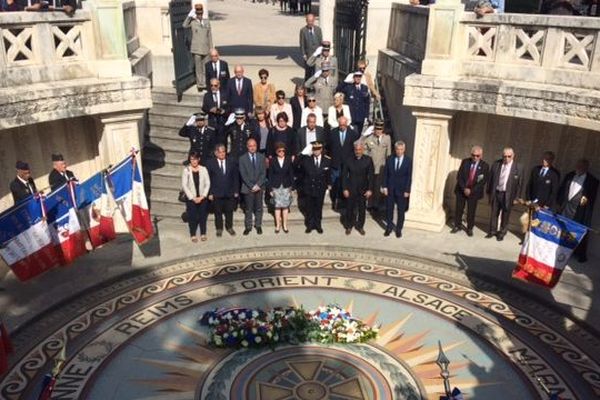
{"x":160,"y":179}
{"x":168,"y":165}
{"x":179,"y":110}
{"x":167,"y":121}
{"x":165,"y":132}
{"x":171,"y":144}
{"x":168,"y":96}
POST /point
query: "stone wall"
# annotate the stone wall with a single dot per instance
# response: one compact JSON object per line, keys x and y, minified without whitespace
{"x":529,"y":139}
{"x":75,"y":138}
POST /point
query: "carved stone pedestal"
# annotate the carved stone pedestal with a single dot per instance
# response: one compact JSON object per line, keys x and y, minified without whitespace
{"x":430,"y":166}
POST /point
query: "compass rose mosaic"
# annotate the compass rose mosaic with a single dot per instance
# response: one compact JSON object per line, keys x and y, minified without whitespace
{"x":140,"y":338}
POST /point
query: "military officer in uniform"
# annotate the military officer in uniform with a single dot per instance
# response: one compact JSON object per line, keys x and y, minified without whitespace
{"x":378,"y":146}
{"x":238,"y":134}
{"x":23,"y":185}
{"x":357,"y":185}
{"x":544,"y":181}
{"x":323,"y":55}
{"x":201,"y":41}
{"x":315,"y":172}
{"x":358,"y":98}
{"x":324,"y":86}
{"x":202,"y":137}
{"x":59,"y":174}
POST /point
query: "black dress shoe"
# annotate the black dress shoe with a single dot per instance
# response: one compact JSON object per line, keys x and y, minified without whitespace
{"x":259,"y":230}
{"x":500,"y":237}
{"x":319,"y":230}
{"x":348,"y":231}
{"x":247,"y":231}
{"x":231,"y":231}
{"x":361,"y":231}
{"x":308,"y":230}
{"x":455,"y":229}
{"x":387,"y":232}
{"x":219,"y":233}
{"x":399,"y":234}
{"x":489,"y":236}
{"x":469,"y":233}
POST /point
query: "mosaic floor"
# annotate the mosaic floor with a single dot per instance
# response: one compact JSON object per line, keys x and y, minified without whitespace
{"x":139,"y":338}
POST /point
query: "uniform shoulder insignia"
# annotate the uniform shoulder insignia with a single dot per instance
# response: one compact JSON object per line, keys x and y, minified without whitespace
{"x":327,"y":157}
{"x":210,"y":127}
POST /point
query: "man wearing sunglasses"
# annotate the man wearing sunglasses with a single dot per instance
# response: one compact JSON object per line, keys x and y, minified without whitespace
{"x":216,"y":105}
{"x":504,"y":187}
{"x":471,"y":178}
{"x":201,"y":41}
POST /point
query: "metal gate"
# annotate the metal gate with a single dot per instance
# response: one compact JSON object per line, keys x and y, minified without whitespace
{"x":350,"y":32}
{"x":183,"y":62}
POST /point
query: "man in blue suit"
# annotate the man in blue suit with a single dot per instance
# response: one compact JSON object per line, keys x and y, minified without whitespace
{"x":224,"y":188}
{"x":239,"y":91}
{"x":397,"y":178}
{"x":358,"y":97}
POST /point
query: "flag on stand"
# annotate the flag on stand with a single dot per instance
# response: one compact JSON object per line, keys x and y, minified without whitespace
{"x":5,"y":348}
{"x":455,"y":395}
{"x":50,"y":378}
{"x":127,"y":186}
{"x":95,"y":212}
{"x":27,"y":239}
{"x":60,"y":208}
{"x":548,"y":244}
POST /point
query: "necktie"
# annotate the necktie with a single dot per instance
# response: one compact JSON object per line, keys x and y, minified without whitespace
{"x":222,"y":165}
{"x":378,"y":140}
{"x":397,"y":164}
{"x":239,"y":86}
{"x":253,"y":161}
{"x":471,"y":179}
{"x":215,"y":98}
{"x":215,"y":69}
{"x":317,"y":162}
{"x":326,"y":82}
{"x":342,"y":137}
{"x":543,"y":172}
{"x":311,"y":31}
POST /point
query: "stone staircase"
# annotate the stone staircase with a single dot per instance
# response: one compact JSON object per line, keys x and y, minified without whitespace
{"x":164,"y":152}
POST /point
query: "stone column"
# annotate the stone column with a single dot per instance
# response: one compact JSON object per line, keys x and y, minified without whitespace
{"x":431,"y":158}
{"x":326,"y":19}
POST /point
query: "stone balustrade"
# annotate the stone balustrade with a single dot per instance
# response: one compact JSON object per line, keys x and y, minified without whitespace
{"x":130,"y":22}
{"x":45,"y":46}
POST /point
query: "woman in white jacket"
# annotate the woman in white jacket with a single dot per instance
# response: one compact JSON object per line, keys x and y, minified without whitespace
{"x":337,"y":110}
{"x":195,"y":183}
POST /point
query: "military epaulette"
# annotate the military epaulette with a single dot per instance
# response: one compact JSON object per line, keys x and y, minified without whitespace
{"x":327,"y":157}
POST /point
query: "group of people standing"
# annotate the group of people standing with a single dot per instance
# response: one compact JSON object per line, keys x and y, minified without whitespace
{"x":503,"y":182}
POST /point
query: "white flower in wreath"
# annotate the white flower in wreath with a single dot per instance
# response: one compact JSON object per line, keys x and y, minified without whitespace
{"x":228,"y":316}
{"x":254,"y":314}
{"x":244,"y":343}
{"x":258,"y":339}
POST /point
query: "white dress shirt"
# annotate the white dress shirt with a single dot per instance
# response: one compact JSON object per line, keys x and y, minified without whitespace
{"x":504,"y":175}
{"x":576,"y":185}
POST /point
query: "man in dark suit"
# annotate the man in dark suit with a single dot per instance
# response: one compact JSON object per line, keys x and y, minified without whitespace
{"x":358,"y":98}
{"x":309,"y":134}
{"x":23,"y":185}
{"x":238,"y":134}
{"x":310,"y":39}
{"x":239,"y":91}
{"x":504,"y":187}
{"x":397,"y":180}
{"x":202,"y":137}
{"x":340,"y":147}
{"x":357,"y":184}
{"x":576,"y":199}
{"x":471,"y":179}
{"x":59,"y":174}
{"x":224,"y":188}
{"x":315,"y":171}
{"x":216,"y":105}
{"x":253,"y":172}
{"x":544,"y":182}
{"x":216,"y":68}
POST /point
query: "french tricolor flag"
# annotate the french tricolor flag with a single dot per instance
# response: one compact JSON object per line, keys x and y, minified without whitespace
{"x":547,"y":248}
{"x":95,"y":211}
{"x":61,"y":211}
{"x":127,"y":186}
{"x":27,"y":239}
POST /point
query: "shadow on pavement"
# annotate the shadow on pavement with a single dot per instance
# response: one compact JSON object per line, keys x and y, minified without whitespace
{"x":279,"y":52}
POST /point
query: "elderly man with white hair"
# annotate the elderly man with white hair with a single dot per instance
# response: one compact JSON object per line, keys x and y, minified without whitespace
{"x":357,"y":185}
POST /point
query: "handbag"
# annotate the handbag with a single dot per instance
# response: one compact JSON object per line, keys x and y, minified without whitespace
{"x":182,"y":197}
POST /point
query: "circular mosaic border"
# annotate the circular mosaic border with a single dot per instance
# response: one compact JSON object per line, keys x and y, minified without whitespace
{"x":109,"y":301}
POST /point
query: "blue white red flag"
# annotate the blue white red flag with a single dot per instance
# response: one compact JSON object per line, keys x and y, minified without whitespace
{"x":5,"y":348}
{"x":127,"y":186}
{"x":95,"y":211}
{"x":455,"y":395}
{"x":27,"y":240}
{"x":61,"y":212}
{"x":547,"y":247}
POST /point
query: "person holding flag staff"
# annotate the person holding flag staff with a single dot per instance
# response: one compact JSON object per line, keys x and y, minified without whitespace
{"x":23,"y":185}
{"x":59,"y":174}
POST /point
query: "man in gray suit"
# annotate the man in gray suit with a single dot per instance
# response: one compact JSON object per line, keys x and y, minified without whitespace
{"x":253,"y":171}
{"x":201,"y":41}
{"x":310,"y":38}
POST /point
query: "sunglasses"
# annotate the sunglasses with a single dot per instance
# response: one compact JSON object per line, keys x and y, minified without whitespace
{"x":214,"y":85}
{"x":280,"y":97}
{"x":506,"y":156}
{"x":239,"y":117}
{"x":280,"y":151}
{"x":312,"y":100}
{"x":263,"y":77}
{"x":476,"y":155}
